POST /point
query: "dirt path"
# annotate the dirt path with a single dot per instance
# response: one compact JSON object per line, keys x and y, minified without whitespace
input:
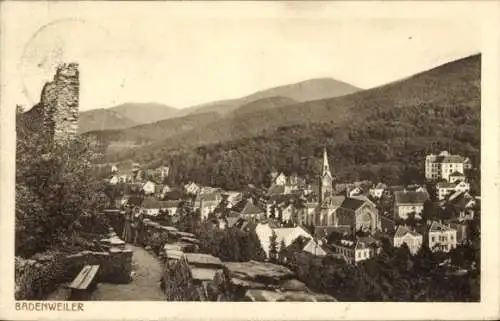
{"x":145,"y":283}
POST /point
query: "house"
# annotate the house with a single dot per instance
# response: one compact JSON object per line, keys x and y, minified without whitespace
{"x":149,"y":188}
{"x":406,"y":202}
{"x":154,"y":207}
{"x":413,"y":239}
{"x":358,"y":213}
{"x":165,"y":189}
{"x":286,"y":211}
{"x":233,"y":197}
{"x":444,"y":189}
{"x":324,"y":232}
{"x":441,"y":237}
{"x":206,"y":203}
{"x":307,"y":244}
{"x":192,"y":188}
{"x":354,"y":250}
{"x":463,"y":204}
{"x":246,"y":209}
{"x":281,"y":179}
{"x":159,"y":190}
{"x":114,"y":180}
{"x":356,"y":191}
{"x":443,"y":165}
{"x":456,"y":177}
{"x":278,"y":190}
{"x":378,"y":190}
{"x":287,"y":236}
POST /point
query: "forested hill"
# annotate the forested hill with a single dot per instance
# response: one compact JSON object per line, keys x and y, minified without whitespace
{"x":148,"y":133}
{"x":382,"y":133}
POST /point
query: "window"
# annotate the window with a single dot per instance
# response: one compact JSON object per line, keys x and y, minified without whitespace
{"x":451,"y":237}
{"x":433,"y":239}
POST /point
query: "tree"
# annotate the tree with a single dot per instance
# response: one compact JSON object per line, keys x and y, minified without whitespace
{"x":430,"y":211}
{"x":273,"y":247}
{"x":55,"y":186}
{"x":282,"y":254}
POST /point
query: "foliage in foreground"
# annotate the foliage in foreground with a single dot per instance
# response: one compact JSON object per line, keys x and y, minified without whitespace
{"x":394,"y":275}
{"x":54,"y":188}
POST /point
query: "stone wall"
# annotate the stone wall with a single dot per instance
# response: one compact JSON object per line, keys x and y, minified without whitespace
{"x":59,"y":102}
{"x":115,"y":265}
{"x":35,"y":278}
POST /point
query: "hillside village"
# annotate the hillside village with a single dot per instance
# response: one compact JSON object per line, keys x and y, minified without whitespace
{"x":358,"y":214}
{"x":294,"y":238}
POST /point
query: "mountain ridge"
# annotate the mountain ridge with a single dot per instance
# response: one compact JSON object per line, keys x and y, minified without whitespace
{"x":453,"y":83}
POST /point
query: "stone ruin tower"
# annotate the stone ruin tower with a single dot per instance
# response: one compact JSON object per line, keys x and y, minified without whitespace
{"x":59,"y":102}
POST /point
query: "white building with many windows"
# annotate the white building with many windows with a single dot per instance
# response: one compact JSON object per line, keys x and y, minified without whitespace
{"x":441,"y":237}
{"x":444,"y":164}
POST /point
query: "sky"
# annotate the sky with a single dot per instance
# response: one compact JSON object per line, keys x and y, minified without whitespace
{"x":184,"y":54}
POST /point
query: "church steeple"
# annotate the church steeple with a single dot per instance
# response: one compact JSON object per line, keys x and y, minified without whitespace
{"x":326,"y":166}
{"x":326,"y":179}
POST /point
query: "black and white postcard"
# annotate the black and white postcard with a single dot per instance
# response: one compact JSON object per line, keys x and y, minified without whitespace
{"x":203,"y":160}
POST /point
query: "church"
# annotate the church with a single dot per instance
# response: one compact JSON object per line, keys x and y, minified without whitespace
{"x":339,"y":212}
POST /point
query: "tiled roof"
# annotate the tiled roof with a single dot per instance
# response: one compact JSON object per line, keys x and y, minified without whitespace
{"x":410,"y":197}
{"x":325,"y":231}
{"x":154,"y":203}
{"x":381,"y":186}
{"x":210,"y":197}
{"x":352,"y":203}
{"x":451,"y":159}
{"x":438,"y":227}
{"x":456,"y":173}
{"x":334,"y":201}
{"x":402,"y":231}
{"x":276,"y":189}
{"x":246,"y":207}
{"x":364,"y":242}
{"x":446,"y":185}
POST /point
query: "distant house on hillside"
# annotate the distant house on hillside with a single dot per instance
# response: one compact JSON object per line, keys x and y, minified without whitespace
{"x":354,"y":250}
{"x":413,"y":239}
{"x":206,"y":203}
{"x":442,"y":165}
{"x":378,"y":190}
{"x":445,"y":189}
{"x":463,"y":204}
{"x":192,"y":188}
{"x":406,"y":202}
{"x":440,"y":237}
{"x":247,"y":210}
{"x":149,"y":188}
{"x":154,"y":207}
{"x":287,"y":236}
{"x":456,"y":177}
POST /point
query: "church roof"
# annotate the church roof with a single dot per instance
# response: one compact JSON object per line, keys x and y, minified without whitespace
{"x":333,"y":201}
{"x":352,"y":203}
